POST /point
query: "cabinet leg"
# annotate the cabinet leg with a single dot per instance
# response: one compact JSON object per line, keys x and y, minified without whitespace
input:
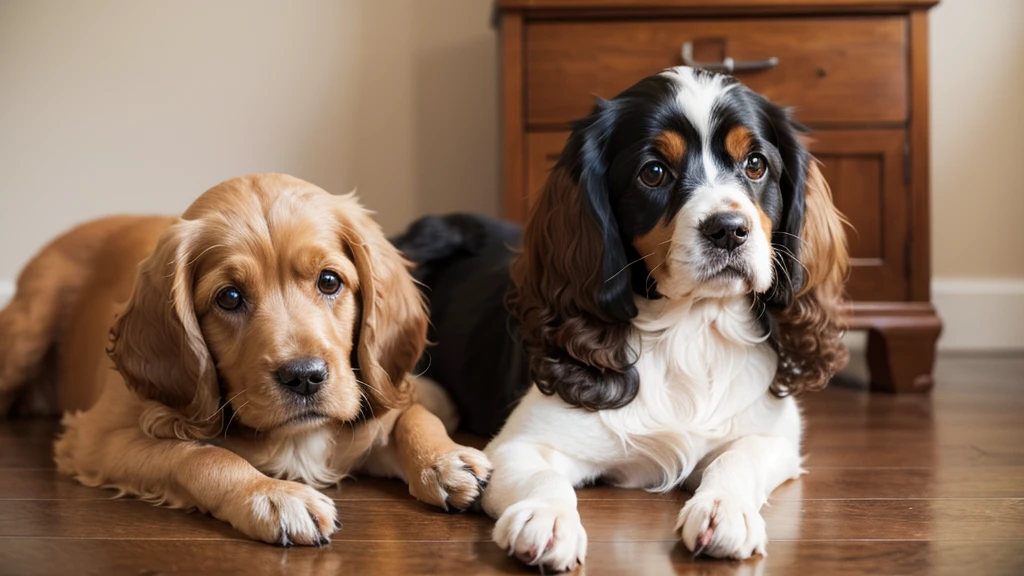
{"x":901,"y":356}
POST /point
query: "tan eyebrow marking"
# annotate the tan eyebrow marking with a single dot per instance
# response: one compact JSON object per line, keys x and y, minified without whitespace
{"x":671,"y":145}
{"x":766,"y":226}
{"x":737,"y":143}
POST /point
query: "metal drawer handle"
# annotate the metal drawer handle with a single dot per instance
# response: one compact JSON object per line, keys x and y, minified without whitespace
{"x":728,"y":64}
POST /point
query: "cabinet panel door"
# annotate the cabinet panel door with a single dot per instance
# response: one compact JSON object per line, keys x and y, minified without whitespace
{"x":865,"y":169}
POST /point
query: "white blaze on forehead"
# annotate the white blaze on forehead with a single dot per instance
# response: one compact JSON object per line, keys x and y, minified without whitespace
{"x":696,"y":96}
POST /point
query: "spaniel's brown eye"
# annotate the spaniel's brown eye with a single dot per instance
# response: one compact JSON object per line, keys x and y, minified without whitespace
{"x":229,"y":298}
{"x":653,"y":174}
{"x":755,"y":166}
{"x":329,"y":283}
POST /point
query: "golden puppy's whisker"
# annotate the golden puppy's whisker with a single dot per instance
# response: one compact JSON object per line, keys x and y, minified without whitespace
{"x":369,"y":404}
{"x":232,"y":419}
{"x":429,"y":362}
{"x":205,"y":250}
{"x":226,"y":404}
{"x":193,"y":260}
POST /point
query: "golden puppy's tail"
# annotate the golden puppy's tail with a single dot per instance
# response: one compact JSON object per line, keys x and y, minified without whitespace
{"x":28,"y":327}
{"x":31,"y":322}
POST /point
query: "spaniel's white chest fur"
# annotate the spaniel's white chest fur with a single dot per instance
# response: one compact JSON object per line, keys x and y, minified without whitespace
{"x":701,"y":364}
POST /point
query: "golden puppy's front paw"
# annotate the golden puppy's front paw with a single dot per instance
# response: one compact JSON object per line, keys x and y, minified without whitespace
{"x":454,"y":480}
{"x":287,"y":513}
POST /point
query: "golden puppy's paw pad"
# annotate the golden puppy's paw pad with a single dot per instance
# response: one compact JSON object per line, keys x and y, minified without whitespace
{"x":288,"y":513}
{"x":455,"y":480}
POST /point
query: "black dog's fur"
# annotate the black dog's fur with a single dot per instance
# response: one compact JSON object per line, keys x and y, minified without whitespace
{"x":463,"y":263}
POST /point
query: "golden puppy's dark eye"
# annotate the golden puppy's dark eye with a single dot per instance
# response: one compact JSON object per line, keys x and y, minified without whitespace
{"x":229,"y":298}
{"x":329,"y":283}
{"x":653,"y":174}
{"x":755,"y":166}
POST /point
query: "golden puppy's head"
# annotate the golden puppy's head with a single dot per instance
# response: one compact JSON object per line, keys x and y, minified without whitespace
{"x":277,"y":298}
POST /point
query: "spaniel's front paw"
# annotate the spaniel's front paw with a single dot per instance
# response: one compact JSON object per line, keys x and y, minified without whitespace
{"x":720,"y":525}
{"x":454,"y":480}
{"x":545,"y":533}
{"x":286,"y":513}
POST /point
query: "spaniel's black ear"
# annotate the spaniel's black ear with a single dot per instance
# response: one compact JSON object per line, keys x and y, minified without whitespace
{"x":585,"y":158}
{"x":803,"y":310}
{"x":789,"y":274}
{"x":572,"y":304}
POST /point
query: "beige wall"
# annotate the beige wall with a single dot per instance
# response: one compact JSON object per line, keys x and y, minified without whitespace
{"x":977,"y":65}
{"x":113,"y":106}
{"x":138,"y":106}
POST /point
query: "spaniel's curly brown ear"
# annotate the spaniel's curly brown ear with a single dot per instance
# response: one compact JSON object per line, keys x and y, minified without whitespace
{"x":158,"y":347}
{"x":808,"y":332}
{"x":393,"y":328}
{"x":571,"y":294}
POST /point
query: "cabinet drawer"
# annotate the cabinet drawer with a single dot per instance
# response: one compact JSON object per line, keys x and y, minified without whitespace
{"x":832,"y":70}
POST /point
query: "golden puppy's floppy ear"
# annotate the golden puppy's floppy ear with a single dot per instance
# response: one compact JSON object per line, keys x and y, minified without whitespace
{"x":393,"y":328}
{"x":810,"y":329}
{"x":158,"y":347}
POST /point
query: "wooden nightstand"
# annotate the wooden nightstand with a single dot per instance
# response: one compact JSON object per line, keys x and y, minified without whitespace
{"x":856,"y":71}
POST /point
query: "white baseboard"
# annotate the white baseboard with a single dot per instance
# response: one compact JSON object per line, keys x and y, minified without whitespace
{"x":981,"y":314}
{"x":6,"y":291}
{"x":978,"y":314}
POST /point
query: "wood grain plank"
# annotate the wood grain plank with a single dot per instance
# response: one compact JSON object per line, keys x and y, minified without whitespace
{"x":115,"y":557}
{"x":904,"y":483}
{"x":25,"y":453}
{"x":819,"y":483}
{"x":913,"y":456}
{"x":605,"y":520}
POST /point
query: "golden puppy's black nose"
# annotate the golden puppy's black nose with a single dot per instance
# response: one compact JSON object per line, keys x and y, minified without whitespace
{"x":725,"y":230}
{"x":303,"y":376}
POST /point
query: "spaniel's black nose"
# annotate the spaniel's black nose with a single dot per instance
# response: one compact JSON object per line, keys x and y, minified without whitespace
{"x":303,"y":376}
{"x":725,"y":230}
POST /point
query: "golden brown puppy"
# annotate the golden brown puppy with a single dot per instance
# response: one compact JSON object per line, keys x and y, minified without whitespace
{"x":267,"y":337}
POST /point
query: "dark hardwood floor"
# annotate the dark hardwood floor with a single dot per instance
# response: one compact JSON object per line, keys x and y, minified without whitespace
{"x":897,"y":485}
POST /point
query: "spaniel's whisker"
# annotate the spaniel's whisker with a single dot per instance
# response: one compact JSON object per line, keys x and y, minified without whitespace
{"x":628,"y":265}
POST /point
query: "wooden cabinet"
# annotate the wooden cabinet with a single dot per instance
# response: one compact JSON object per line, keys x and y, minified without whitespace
{"x":831,"y":70}
{"x":855,"y":71}
{"x":867,"y":172}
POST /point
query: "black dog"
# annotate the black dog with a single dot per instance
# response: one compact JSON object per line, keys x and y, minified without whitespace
{"x":462,"y":261}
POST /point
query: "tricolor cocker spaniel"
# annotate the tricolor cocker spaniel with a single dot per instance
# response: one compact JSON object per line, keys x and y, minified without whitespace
{"x":267,"y":338}
{"x":680,"y":281}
